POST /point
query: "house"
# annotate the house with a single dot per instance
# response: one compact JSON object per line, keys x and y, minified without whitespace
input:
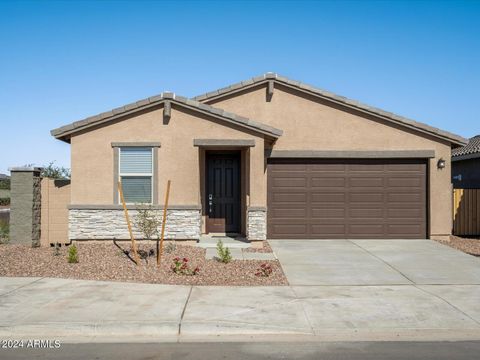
{"x":267,"y":158}
{"x":466,"y":165}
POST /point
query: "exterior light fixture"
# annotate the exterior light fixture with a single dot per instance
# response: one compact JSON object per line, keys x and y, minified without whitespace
{"x":441,"y":164}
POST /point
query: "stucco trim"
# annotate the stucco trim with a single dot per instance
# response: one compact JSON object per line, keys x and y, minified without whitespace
{"x":224,"y":142}
{"x":131,"y":207}
{"x":265,"y":80}
{"x":326,"y":154}
{"x":136,"y":144}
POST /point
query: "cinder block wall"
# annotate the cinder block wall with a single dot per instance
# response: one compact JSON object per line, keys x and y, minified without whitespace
{"x":25,"y":206}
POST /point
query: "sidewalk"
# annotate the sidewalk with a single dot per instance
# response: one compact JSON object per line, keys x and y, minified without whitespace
{"x":78,"y":311}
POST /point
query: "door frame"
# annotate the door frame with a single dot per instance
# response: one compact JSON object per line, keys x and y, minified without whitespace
{"x":234,"y":153}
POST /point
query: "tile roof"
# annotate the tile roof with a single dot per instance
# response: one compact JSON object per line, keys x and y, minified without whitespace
{"x":453,"y":138}
{"x":472,"y":148}
{"x":64,"y":132}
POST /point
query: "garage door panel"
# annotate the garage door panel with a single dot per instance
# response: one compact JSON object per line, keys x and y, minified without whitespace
{"x":365,"y":229}
{"x":346,"y":199}
{"x":366,"y":213}
{"x":405,"y":197}
{"x":289,"y":197}
{"x":288,"y":213}
{"x":327,"y":181}
{"x":327,"y":230}
{"x":366,"y":181}
{"x":328,"y":213}
{"x":289,"y":182}
{"x":373,"y":197}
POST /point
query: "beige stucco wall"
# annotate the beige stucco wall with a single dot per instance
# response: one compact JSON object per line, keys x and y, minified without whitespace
{"x":309,"y":124}
{"x":178,"y":160}
{"x":54,"y":211}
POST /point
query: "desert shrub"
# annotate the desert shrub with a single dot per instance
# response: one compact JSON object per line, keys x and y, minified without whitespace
{"x":265,"y":270}
{"x":4,"y":232}
{"x":171,"y":247}
{"x":53,"y":171}
{"x":4,"y":184}
{"x":223,"y":252}
{"x":181,"y":267}
{"x":72,"y":254}
{"x":4,"y":201}
{"x":56,"y":249}
{"x":147,"y":221}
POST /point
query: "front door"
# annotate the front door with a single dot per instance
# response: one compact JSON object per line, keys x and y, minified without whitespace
{"x":223,"y":192}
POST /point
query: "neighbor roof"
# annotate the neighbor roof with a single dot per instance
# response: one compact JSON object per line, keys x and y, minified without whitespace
{"x":229,"y":90}
{"x":469,"y":151}
{"x":64,"y":132}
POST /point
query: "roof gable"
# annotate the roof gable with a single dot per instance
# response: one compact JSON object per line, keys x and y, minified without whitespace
{"x":272,"y":78}
{"x":65,"y":132}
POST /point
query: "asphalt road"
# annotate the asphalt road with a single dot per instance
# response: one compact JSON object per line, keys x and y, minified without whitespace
{"x":239,"y":351}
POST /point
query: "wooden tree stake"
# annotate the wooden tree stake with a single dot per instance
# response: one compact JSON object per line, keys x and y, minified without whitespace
{"x":164,"y":219}
{"x":127,"y":218}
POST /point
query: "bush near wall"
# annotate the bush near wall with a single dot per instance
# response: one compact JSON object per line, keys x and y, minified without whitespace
{"x":4,"y":201}
{"x":4,"y":184}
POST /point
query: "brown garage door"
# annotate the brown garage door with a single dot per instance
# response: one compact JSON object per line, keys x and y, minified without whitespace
{"x":346,"y":199}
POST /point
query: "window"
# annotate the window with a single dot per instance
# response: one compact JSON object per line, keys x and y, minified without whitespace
{"x":136,"y":172}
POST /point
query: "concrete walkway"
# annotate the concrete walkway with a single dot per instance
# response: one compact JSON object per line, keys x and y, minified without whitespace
{"x":77,"y":311}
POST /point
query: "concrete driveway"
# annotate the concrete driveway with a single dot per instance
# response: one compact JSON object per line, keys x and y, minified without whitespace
{"x":375,"y":262}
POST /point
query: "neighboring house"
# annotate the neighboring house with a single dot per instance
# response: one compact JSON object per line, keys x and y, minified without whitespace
{"x":268,"y":158}
{"x":466,"y":165}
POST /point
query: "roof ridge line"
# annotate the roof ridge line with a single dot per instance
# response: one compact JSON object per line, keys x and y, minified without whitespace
{"x":437,"y":132}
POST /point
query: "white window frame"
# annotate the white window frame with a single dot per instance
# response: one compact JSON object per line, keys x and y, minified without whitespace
{"x":120,"y":175}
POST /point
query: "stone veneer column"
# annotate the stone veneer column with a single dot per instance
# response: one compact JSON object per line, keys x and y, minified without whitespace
{"x":25,"y":207}
{"x":256,"y":223}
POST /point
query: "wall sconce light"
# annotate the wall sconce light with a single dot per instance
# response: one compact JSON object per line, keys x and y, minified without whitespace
{"x":441,"y":164}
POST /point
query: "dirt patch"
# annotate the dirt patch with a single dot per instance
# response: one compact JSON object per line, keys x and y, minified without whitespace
{"x":264,"y":249}
{"x":469,"y":246}
{"x":107,"y":262}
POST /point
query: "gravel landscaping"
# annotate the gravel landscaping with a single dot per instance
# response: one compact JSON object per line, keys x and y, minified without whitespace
{"x":264,"y":249}
{"x":469,"y":246}
{"x":104,"y":261}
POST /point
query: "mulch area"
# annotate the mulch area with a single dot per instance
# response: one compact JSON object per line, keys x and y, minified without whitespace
{"x":467,"y":245}
{"x":104,"y":261}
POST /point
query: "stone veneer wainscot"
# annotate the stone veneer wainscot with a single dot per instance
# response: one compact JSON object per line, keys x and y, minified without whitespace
{"x":97,"y":224}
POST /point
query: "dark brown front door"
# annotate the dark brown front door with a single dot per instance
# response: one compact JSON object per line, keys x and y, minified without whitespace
{"x":223,"y":192}
{"x":347,"y":199}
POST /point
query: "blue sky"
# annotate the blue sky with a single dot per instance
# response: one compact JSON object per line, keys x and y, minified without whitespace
{"x":63,"y":61}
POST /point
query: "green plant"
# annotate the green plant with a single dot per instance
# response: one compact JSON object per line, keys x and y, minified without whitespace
{"x":55,"y":172}
{"x":181,"y":267}
{"x":223,"y":252}
{"x":56,"y":249}
{"x":171,"y":247}
{"x":4,"y":184}
{"x":265,"y":270}
{"x":73,"y":254}
{"x":147,"y":221}
{"x":4,"y":232}
{"x":4,"y":201}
